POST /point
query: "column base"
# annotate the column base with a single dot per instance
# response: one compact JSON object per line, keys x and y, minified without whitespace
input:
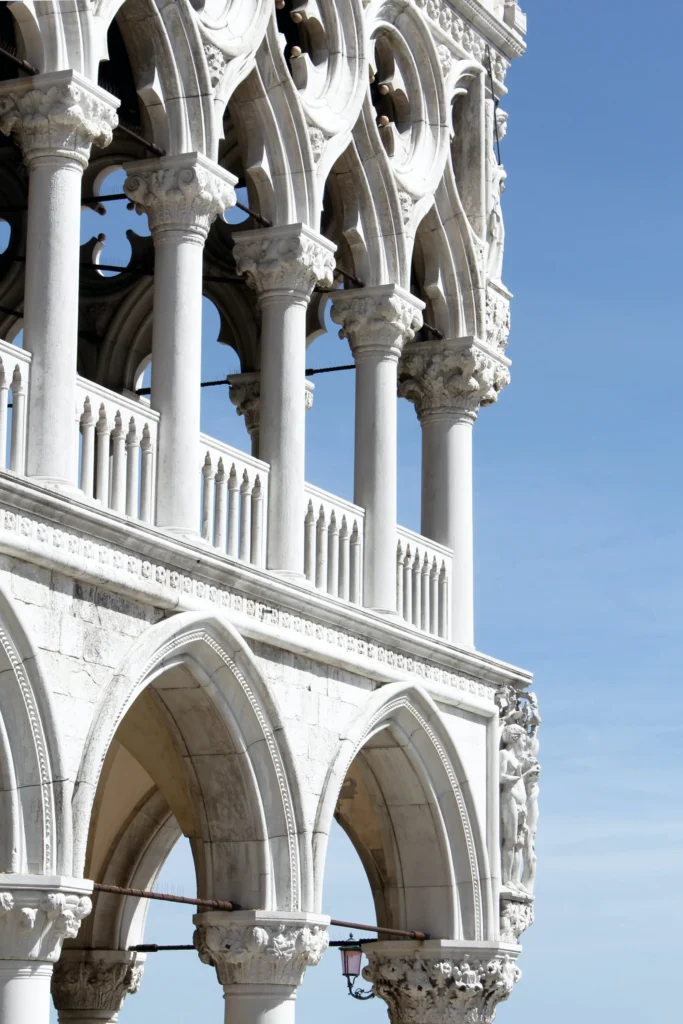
{"x":66,"y":487}
{"x":299,"y":579}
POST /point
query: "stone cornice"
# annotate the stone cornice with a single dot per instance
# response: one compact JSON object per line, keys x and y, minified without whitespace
{"x":57,"y":114}
{"x":185,"y":192}
{"x":146,"y":565}
{"x":451,"y":377}
{"x":378,"y":321}
{"x":450,"y":14}
{"x":286,"y":259}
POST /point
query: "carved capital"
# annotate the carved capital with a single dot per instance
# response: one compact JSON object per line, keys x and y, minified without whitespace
{"x":377,"y":321}
{"x":185,"y":192}
{"x":451,"y":377}
{"x":450,"y":986}
{"x":37,"y":914}
{"x":95,"y":979}
{"x":260,"y":947}
{"x":497,"y":316}
{"x":291,"y":258}
{"x":515,"y":917}
{"x":57,"y":114}
{"x":245,"y":395}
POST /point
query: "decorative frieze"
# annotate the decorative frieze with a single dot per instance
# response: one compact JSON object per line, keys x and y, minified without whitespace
{"x":184,"y":192}
{"x":57,"y":114}
{"x":456,"y":377}
{"x":258,"y":948}
{"x":291,"y":259}
{"x":377,"y":321}
{"x":95,"y":980}
{"x":35,"y":920}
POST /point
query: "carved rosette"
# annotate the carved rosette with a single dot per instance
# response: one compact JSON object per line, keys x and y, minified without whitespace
{"x":515,"y":917}
{"x":184,"y":193}
{"x":441,"y":989}
{"x":58,"y":114}
{"x":35,"y":922}
{"x":451,"y":377}
{"x":377,"y":321}
{"x":497,"y":317}
{"x":98,"y":980}
{"x":285,"y":259}
{"x":257,"y":948}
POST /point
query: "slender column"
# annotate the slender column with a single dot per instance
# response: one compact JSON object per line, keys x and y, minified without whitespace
{"x":90,"y":985}
{"x":260,"y":959}
{"x":56,"y":117}
{"x":377,"y":322}
{"x":447,"y":381}
{"x":36,"y":914}
{"x":441,"y":982}
{"x":245,"y":395}
{"x":283,"y":265}
{"x":182,"y":196}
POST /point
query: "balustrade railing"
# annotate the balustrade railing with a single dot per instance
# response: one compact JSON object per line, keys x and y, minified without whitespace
{"x":234,"y":501}
{"x":333,"y":545}
{"x":423,"y":571}
{"x":14,"y":378}
{"x":118,"y":445}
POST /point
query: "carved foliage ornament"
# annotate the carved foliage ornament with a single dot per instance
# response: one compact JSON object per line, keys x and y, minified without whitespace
{"x":187,"y":197}
{"x":440,"y":376}
{"x":441,"y":990}
{"x":463,"y":34}
{"x":64,"y":119}
{"x":376,"y":323}
{"x":94,"y":984}
{"x":497,"y":320}
{"x":261,"y":954}
{"x":515,"y":918}
{"x":34,"y":925}
{"x":276,"y":261}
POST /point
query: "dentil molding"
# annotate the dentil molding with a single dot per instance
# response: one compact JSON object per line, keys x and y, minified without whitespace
{"x":290,"y":258}
{"x":37,"y":914}
{"x":57,"y":114}
{"x":455,"y":376}
{"x":260,"y":948}
{"x":378,"y":320}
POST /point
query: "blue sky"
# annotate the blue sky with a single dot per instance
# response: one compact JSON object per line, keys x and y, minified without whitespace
{"x":578,"y":517}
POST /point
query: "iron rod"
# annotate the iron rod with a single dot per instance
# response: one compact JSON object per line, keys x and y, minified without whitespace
{"x":10,"y":312}
{"x":152,"y":947}
{"x":6,"y":51}
{"x":329,"y":369}
{"x":252,"y":213}
{"x":132,"y":134}
{"x":384,"y":931}
{"x":144,"y":894}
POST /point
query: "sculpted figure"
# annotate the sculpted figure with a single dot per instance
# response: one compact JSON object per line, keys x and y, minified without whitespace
{"x":513,"y":802}
{"x":532,"y":771}
{"x":495,"y":227}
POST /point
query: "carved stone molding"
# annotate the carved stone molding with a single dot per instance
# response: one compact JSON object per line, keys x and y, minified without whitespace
{"x":515,"y":917}
{"x":469,"y":40}
{"x":185,"y":192}
{"x":291,"y":258}
{"x":377,"y":321}
{"x":497,"y":317}
{"x":35,"y":918}
{"x":451,"y":377}
{"x":57,"y":114}
{"x":260,"y":947}
{"x":453,"y":987}
{"x":95,"y":979}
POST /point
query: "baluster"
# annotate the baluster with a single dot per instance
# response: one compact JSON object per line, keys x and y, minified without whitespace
{"x":321,"y":552}
{"x":425,"y":593}
{"x":333,"y":556}
{"x":355,"y":581}
{"x":343,"y":587}
{"x":118,"y":471}
{"x":18,"y":441}
{"x":132,"y":469}
{"x":408,"y":585}
{"x":146,"y":476}
{"x":221,"y":507}
{"x":87,"y":428}
{"x":417,"y":590}
{"x":309,"y":543}
{"x":207,"y":498}
{"x":233,"y":512}
{"x":443,"y":602}
{"x":245,"y":518}
{"x":256,"y":522}
{"x":434,"y":598}
{"x":102,"y":452}
{"x":4,"y":395}
{"x":399,"y":578}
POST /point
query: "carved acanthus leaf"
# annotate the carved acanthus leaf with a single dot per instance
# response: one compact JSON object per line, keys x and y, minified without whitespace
{"x":34,"y":923}
{"x":288,"y":259}
{"x":378,"y":319}
{"x":94,"y":984}
{"x":450,"y":375}
{"x":180,"y":192}
{"x":261,"y":953}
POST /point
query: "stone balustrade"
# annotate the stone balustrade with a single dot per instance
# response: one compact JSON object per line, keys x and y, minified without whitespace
{"x":234,"y":501}
{"x":423,"y":570}
{"x":333,"y":545}
{"x":14,"y":376}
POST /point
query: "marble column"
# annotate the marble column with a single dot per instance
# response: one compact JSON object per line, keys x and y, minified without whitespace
{"x":448,"y":381}
{"x":56,"y":118}
{"x":441,"y":982}
{"x":283,"y":265}
{"x":377,"y":322}
{"x":245,"y":395}
{"x":260,"y":958}
{"x":90,"y":985}
{"x":37,"y":913}
{"x":182,"y":195}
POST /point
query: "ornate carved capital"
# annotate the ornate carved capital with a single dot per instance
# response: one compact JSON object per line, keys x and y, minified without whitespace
{"x":377,"y":320}
{"x":36,"y":918}
{"x":245,"y":395}
{"x":457,"y":986}
{"x":259,"y":947}
{"x":95,"y":979}
{"x":57,"y":114}
{"x":185,"y":192}
{"x":291,"y":258}
{"x":451,"y":377}
{"x":497,"y":316}
{"x":515,"y":917}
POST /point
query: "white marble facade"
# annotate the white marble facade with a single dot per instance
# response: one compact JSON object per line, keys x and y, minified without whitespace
{"x":196,"y":641}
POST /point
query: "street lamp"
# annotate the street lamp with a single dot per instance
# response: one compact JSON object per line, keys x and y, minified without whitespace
{"x":351,"y":956}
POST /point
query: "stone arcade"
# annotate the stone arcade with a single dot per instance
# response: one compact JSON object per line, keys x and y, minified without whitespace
{"x":195,"y":640}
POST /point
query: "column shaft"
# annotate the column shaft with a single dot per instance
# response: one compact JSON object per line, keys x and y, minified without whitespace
{"x":282,"y":429}
{"x":24,"y":992}
{"x":259,"y":1004}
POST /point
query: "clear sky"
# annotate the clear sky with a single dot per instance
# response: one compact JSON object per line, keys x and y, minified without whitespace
{"x":579,"y":538}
